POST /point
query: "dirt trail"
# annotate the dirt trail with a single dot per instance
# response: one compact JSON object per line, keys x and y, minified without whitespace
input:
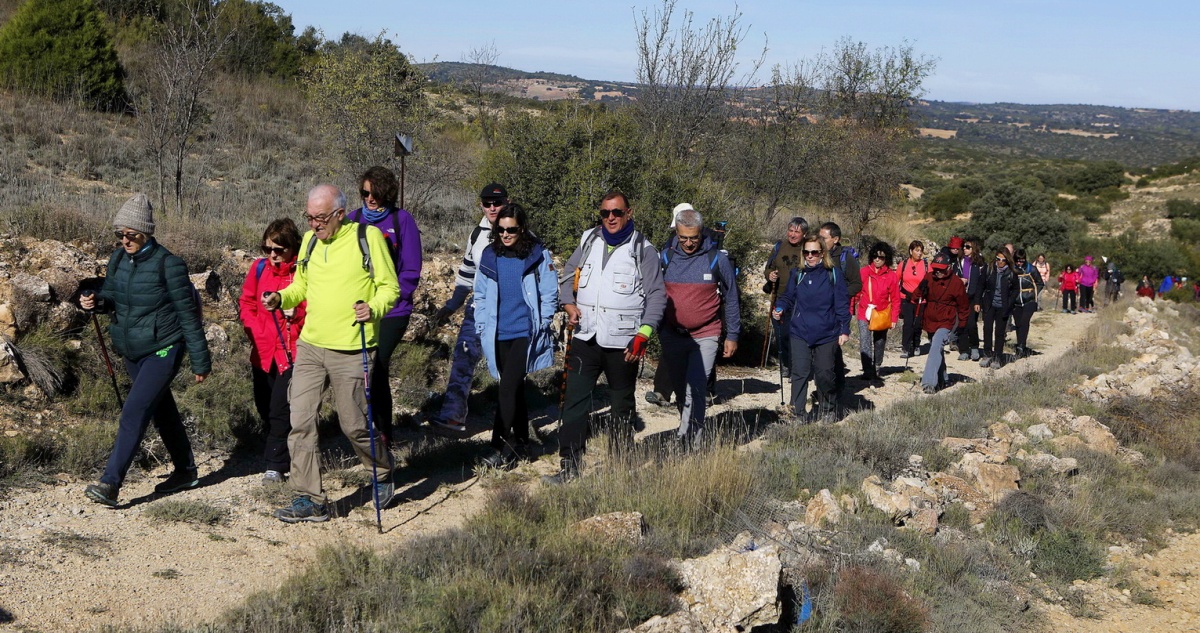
{"x":68,"y":564}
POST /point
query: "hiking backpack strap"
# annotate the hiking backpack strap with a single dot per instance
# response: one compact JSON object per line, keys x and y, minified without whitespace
{"x":259,"y":267}
{"x":367,"y":264}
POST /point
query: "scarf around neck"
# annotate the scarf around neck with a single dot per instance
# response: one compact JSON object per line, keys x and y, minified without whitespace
{"x":374,"y":217}
{"x":616,"y":239}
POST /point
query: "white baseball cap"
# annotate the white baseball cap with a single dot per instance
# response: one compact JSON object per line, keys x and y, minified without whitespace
{"x":682,"y":206}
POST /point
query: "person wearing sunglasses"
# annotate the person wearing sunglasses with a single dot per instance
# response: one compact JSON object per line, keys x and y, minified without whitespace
{"x":1030,"y":285}
{"x":946,"y":306}
{"x":345,"y":302}
{"x":379,"y":190}
{"x":452,"y":415}
{"x":516,"y":296}
{"x":880,"y":293}
{"x":702,"y":299}
{"x":613,"y":294}
{"x":971,"y":267}
{"x":272,"y":335}
{"x":154,"y":319}
{"x":996,"y":297}
{"x":818,"y":300}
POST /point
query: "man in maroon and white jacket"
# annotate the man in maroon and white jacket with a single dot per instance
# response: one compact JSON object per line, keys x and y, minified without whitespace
{"x":702,"y":298}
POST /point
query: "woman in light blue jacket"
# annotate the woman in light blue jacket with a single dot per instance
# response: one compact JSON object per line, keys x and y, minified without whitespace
{"x":516,"y":295}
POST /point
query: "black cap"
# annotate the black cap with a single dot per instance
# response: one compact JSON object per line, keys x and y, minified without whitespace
{"x":941,"y":261}
{"x":494,"y":191}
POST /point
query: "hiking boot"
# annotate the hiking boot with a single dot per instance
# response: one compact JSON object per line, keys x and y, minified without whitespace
{"x":385,"y":491}
{"x":998,"y":361}
{"x":568,"y":471}
{"x":102,"y":493}
{"x":454,"y":426}
{"x":964,"y":356}
{"x":179,"y":480}
{"x":657,"y":399}
{"x":787,"y":411}
{"x":975,"y":354}
{"x":929,"y":389}
{"x":906,"y":354}
{"x":828,"y":416}
{"x":985,"y":362}
{"x":272,"y":477}
{"x":501,"y":459}
{"x":303,"y":509}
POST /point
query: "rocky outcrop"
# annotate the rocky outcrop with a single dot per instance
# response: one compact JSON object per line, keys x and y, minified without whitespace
{"x":733,"y":589}
{"x":1163,"y":365}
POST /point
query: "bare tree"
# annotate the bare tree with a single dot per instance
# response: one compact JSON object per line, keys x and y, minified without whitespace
{"x":172,"y":78}
{"x":687,"y":74}
{"x":478,"y":76}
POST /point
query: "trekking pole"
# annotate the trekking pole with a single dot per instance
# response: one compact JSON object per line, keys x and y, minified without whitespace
{"x":362,"y":334}
{"x":570,"y":334}
{"x":770,"y":324}
{"x":112,"y":375}
{"x":286,"y":352}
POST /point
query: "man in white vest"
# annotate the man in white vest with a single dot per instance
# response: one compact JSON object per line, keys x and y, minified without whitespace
{"x":612,"y":291}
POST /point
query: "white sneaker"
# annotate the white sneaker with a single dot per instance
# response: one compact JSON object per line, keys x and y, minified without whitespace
{"x":272,"y":477}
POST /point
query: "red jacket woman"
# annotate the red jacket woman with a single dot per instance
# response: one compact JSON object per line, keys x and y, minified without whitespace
{"x":273,"y":335}
{"x":880,"y":292}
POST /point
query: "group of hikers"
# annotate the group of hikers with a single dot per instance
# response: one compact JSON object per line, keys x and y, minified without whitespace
{"x":327,"y":309}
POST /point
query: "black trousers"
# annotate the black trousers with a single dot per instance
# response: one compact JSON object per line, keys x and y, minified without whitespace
{"x":1068,"y":300}
{"x":910,"y":335}
{"x":1023,"y":314}
{"x":512,"y":413}
{"x":995,"y":327}
{"x":1087,"y":296}
{"x":391,"y":331}
{"x":820,"y":363}
{"x":584,"y":366}
{"x":968,"y":335}
{"x":271,"y":400}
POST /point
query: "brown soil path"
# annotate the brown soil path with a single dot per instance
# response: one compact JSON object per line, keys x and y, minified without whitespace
{"x":67,"y":564}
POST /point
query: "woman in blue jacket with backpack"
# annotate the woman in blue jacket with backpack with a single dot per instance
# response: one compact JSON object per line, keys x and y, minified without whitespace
{"x":516,"y":295}
{"x":818,"y":299}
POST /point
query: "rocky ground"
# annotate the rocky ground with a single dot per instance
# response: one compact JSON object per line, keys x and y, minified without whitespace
{"x":68,"y":564}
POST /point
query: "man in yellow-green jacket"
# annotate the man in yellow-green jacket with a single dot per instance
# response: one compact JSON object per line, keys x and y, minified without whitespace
{"x":334,"y":276}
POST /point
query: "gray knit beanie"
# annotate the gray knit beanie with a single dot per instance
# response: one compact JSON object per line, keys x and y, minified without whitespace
{"x":136,"y":214}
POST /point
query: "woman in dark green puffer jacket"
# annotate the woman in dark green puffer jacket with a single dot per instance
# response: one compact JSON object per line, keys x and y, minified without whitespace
{"x":155,"y":316}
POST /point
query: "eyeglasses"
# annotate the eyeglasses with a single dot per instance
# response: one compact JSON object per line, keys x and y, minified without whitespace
{"x":967,"y":248}
{"x":616,"y":213}
{"x":275,"y":250}
{"x":321,"y":220}
{"x":883,"y":257}
{"x":364,"y":193}
{"x":491,"y":203}
{"x":508,"y":230}
{"x":689,"y":238}
{"x":127,"y":235}
{"x":815,"y":253}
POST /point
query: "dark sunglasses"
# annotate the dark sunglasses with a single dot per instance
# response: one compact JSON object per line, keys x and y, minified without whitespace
{"x":808,"y":252}
{"x":491,"y":203}
{"x":364,"y":193}
{"x":275,"y":250}
{"x":616,"y":213}
{"x":131,"y":235}
{"x":509,"y":230}
{"x":1002,"y":259}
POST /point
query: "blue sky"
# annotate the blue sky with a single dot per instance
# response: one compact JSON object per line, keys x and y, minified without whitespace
{"x":1131,"y":54}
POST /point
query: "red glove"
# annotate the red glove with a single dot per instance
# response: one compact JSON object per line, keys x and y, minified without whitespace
{"x":637,"y":347}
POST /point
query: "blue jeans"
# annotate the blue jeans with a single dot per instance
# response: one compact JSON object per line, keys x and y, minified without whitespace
{"x":467,"y":352}
{"x":935,"y":365}
{"x":150,"y":399}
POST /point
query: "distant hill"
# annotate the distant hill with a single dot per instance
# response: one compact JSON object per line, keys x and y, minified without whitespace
{"x":540,"y":86}
{"x":1135,"y":137}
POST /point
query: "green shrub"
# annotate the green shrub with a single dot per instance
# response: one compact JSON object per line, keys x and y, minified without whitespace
{"x":1066,"y":555}
{"x":1186,"y":230}
{"x":1178,"y":208}
{"x":62,"y":48}
{"x":177,"y":511}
